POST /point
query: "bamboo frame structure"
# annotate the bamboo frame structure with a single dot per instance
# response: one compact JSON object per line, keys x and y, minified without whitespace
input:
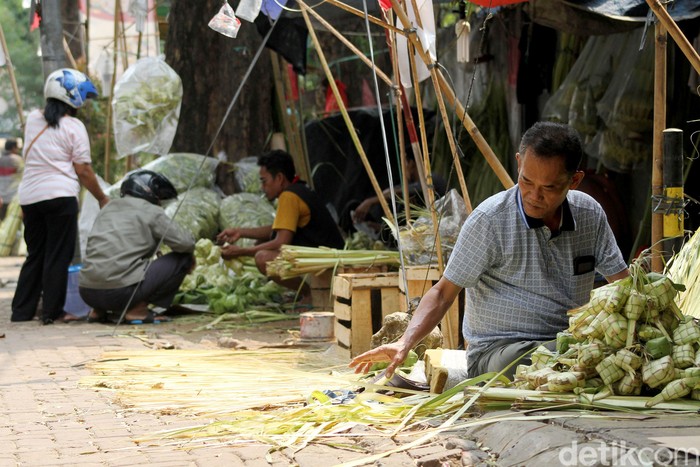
{"x":344,"y":112}
{"x":447,"y":91}
{"x":664,"y":27}
{"x":676,"y":33}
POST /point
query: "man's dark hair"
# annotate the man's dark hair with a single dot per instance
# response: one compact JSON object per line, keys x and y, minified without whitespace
{"x":55,"y":110}
{"x":549,"y":139}
{"x":10,"y":144}
{"x":276,"y":162}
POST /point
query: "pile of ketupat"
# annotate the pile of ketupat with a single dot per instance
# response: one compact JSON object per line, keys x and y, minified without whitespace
{"x":630,"y":339}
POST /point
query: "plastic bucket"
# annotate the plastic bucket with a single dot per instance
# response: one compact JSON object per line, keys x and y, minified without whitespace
{"x":74,"y":304}
{"x":316,"y":325}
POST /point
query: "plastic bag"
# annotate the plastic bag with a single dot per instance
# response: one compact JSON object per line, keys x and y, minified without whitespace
{"x":225,"y":21}
{"x":249,"y":9}
{"x":628,"y":103}
{"x":146,"y":107}
{"x":418,"y":239}
{"x":198,"y":213}
{"x":245,"y":210}
{"x":181,"y":169}
{"x":89,"y":207}
{"x":574,"y":101}
{"x":247,"y":175}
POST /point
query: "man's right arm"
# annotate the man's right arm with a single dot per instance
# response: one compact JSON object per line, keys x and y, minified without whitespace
{"x":256,"y":233}
{"x":430,"y":311}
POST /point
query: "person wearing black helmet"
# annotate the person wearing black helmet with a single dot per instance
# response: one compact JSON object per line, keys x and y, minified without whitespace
{"x":117,"y":272}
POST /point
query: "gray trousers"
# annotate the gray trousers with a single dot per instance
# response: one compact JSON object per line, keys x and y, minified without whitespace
{"x":501,"y":353}
{"x":159,"y":286}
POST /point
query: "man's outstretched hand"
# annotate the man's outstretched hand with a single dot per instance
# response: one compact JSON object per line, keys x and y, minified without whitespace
{"x":394,"y":353}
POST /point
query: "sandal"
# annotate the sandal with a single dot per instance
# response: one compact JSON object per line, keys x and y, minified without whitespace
{"x":150,"y":318}
{"x":97,"y":316}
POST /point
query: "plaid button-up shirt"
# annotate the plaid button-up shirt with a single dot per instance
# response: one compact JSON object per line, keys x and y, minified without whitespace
{"x":519,"y":279}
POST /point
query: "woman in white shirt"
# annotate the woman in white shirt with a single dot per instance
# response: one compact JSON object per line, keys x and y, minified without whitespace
{"x":57,"y":162}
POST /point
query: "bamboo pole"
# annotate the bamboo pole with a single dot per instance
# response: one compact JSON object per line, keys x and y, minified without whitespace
{"x":291,"y":124}
{"x":361,"y":14}
{"x":69,"y":54}
{"x":424,"y":141}
{"x":657,"y":169}
{"x":350,"y":46}
{"x":108,"y":130}
{"x":122,"y":37}
{"x":13,"y":80}
{"x":676,"y":33}
{"x":344,"y":112}
{"x":281,"y":100}
{"x":396,"y":94}
{"x":301,"y":161}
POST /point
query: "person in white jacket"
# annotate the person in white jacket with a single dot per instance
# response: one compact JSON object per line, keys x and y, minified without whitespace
{"x":57,"y":163}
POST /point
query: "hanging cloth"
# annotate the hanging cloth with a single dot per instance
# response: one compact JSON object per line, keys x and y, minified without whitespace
{"x":426,"y":36}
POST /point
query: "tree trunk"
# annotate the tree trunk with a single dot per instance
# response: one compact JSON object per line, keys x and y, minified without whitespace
{"x":72,"y":29}
{"x":52,"y":55}
{"x":211,"y":67}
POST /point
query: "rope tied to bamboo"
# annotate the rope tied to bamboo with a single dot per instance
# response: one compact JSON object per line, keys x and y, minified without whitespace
{"x":669,"y":205}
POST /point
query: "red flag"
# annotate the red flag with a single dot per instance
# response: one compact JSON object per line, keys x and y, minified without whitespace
{"x":34,"y":15}
{"x":385,"y":5}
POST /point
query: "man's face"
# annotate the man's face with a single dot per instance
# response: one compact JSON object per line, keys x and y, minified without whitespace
{"x":544,"y":183}
{"x":271,"y":185}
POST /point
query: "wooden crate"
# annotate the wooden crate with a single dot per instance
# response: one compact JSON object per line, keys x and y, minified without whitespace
{"x":361,"y":303}
{"x":321,"y":296}
{"x":321,"y":284}
{"x":419,"y":279}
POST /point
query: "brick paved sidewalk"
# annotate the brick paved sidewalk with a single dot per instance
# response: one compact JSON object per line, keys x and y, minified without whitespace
{"x":49,"y":420}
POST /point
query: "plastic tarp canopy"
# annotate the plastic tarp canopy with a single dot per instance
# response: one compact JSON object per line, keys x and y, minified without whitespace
{"x":636,"y":10}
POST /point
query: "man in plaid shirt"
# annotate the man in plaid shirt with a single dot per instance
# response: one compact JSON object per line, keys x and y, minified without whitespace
{"x":525,"y":256}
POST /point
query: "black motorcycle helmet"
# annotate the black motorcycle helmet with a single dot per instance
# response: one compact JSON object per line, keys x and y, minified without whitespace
{"x":148,"y":185}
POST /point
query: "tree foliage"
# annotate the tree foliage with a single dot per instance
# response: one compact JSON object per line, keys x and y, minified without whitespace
{"x":23,"y":47}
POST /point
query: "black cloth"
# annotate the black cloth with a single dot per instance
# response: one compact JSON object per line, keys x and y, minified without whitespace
{"x":50,"y":230}
{"x":321,"y":229}
{"x":159,"y":286}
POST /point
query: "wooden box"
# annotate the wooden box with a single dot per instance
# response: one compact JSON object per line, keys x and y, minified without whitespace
{"x":321,"y":284}
{"x":361,"y":303}
{"x":418,"y":280}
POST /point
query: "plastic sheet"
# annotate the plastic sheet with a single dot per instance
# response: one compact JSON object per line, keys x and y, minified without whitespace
{"x":198,"y":213}
{"x":247,"y":175}
{"x":181,"y":169}
{"x":418,"y":239}
{"x":146,"y":107}
{"x":575,"y":100}
{"x":245,"y":210}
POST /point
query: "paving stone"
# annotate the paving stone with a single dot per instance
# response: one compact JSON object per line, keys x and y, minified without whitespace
{"x":463,"y":444}
{"x":475,"y":457}
{"x":441,"y":459}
